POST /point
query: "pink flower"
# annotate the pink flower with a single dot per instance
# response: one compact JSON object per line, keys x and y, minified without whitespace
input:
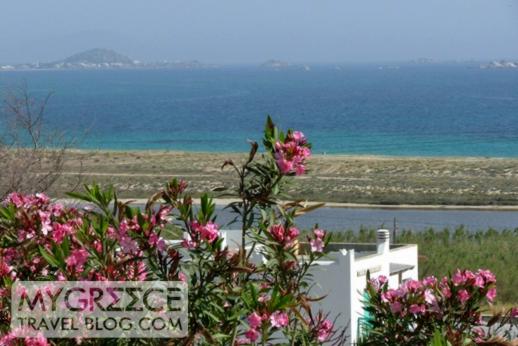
{"x":111,"y":233}
{"x":429,"y":281}
{"x":491,"y":294}
{"x":290,"y":156}
{"x":317,"y":245}
{"x":300,"y":169}
{"x":382,"y":279}
{"x":25,"y":234}
{"x":60,"y":231}
{"x":479,"y":281}
{"x":15,"y":198}
{"x":488,"y":276}
{"x":189,"y":244}
{"x":396,"y":307}
{"x":429,"y":297}
{"x":413,"y":285}
{"x":446,"y":291}
{"x":319,"y":233}
{"x":42,"y":198}
{"x":284,"y":165}
{"x":417,"y":309}
{"x":254,"y":320}
{"x":324,"y":331}
{"x":4,"y":268}
{"x":208,"y":231}
{"x":156,"y":241}
{"x":479,"y":335}
{"x":57,"y":209}
{"x":514,"y":312}
{"x":8,"y":339}
{"x":46,"y":226}
{"x":386,"y":297}
{"x":98,"y":246}
{"x":252,"y":335}
{"x":40,"y":340}
{"x":128,"y":245}
{"x":277,"y":231}
{"x":299,"y":137}
{"x":182,"y":277}
{"x":243,"y":341}
{"x":284,"y":236}
{"x":293,"y":233}
{"x":77,"y":258}
{"x":469,"y":275}
{"x":279,"y":319}
{"x":463,"y":296}
{"x":458,"y":278}
{"x":163,"y":213}
{"x":137,"y":271}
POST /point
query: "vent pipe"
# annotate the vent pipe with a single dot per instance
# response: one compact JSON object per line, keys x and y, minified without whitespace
{"x":383,"y":241}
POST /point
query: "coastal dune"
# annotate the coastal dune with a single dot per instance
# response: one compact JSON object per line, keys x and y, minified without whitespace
{"x":354,"y":180}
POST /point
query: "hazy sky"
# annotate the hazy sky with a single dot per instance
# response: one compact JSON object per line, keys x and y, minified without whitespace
{"x":249,"y":31}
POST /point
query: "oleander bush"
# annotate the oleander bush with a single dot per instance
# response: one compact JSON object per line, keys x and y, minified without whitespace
{"x":430,"y":311}
{"x":232,"y":299}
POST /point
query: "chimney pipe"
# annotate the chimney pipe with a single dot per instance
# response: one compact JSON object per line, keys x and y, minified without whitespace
{"x":383,"y":241}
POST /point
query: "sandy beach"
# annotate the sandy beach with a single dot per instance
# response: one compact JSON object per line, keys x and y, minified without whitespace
{"x":339,"y":180}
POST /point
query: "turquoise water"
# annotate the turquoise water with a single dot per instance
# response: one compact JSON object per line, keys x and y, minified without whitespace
{"x":456,"y":110}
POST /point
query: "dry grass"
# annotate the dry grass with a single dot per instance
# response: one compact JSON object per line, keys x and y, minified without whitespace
{"x":353,"y":179}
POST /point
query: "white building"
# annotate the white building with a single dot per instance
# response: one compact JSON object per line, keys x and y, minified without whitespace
{"x":343,"y":277}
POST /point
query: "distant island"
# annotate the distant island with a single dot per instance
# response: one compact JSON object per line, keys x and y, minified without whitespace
{"x":277,"y":65}
{"x":99,"y":58}
{"x":502,"y":64}
{"x":108,"y":59}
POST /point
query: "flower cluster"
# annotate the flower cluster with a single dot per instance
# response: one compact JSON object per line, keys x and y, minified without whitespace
{"x":42,"y":240}
{"x":35,"y":223}
{"x":284,"y":236}
{"x":317,"y":241}
{"x":291,"y":154}
{"x":413,"y":309}
{"x":208,"y":232}
{"x":258,"y":321}
{"x":323,"y":329}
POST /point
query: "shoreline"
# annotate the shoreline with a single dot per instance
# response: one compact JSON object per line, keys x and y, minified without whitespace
{"x":318,"y":155}
{"x":224,"y":201}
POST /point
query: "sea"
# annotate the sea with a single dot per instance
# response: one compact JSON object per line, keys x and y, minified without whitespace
{"x":397,"y":110}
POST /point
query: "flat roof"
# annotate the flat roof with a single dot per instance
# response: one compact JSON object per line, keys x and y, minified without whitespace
{"x":398,"y":268}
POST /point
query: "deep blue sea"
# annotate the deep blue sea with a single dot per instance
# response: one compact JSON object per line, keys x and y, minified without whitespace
{"x":436,"y":110}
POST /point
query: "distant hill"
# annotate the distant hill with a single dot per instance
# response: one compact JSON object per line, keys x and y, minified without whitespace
{"x":98,"y":56}
{"x":102,"y":59}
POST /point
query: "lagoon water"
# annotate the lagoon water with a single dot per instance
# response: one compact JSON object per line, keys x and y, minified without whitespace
{"x":435,"y":110}
{"x":340,"y":219}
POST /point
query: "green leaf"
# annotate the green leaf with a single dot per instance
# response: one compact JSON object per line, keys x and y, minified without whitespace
{"x":48,"y":257}
{"x":212,"y":316}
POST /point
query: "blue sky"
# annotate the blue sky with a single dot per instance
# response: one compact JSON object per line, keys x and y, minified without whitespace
{"x":251,"y":31}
